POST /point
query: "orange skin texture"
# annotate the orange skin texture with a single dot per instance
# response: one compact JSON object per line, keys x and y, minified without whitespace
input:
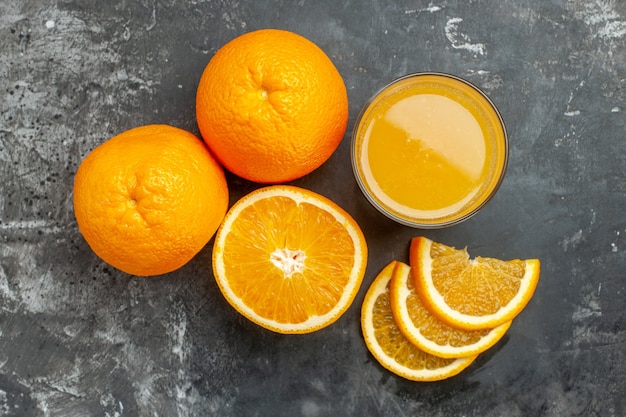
{"x":271,"y":106}
{"x":149,"y":199}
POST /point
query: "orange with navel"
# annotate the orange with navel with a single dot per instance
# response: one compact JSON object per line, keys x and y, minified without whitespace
{"x":149,"y":199}
{"x":272,"y":106}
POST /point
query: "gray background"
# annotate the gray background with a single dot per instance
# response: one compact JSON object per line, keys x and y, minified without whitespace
{"x":79,"y":338}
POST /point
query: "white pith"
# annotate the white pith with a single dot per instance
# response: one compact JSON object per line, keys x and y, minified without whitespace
{"x":288,"y":261}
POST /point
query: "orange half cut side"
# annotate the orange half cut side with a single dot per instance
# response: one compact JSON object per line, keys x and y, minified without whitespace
{"x":289,"y":259}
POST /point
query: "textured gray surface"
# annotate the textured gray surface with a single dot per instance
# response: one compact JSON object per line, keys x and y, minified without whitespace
{"x":80,"y":338}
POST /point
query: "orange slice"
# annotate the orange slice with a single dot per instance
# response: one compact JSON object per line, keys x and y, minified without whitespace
{"x":289,"y":259}
{"x":429,"y":333}
{"x":470,"y":294}
{"x":387,"y":344}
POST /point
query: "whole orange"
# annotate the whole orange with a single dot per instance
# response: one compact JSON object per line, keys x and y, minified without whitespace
{"x":271,"y":106}
{"x":149,"y":199}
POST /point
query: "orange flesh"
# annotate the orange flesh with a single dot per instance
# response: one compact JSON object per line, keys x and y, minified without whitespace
{"x":295,"y":253}
{"x":430,"y":149}
{"x":478,"y":287}
{"x":395,"y":345}
{"x":433,"y":329}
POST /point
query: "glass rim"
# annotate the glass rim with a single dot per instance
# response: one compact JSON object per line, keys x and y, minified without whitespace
{"x":417,"y":223}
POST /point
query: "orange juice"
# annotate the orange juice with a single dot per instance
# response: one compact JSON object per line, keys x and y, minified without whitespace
{"x":429,"y":150}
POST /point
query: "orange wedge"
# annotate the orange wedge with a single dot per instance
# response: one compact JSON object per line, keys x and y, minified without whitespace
{"x":429,"y":333}
{"x":289,"y":259}
{"x":470,"y":294}
{"x":388,"y":345}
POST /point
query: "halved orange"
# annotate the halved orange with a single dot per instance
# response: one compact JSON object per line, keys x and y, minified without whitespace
{"x":471,"y":294}
{"x":388,"y":345}
{"x":289,"y":259}
{"x":429,"y":333}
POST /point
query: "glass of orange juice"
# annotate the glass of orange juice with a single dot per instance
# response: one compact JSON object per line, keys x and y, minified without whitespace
{"x":429,"y":150}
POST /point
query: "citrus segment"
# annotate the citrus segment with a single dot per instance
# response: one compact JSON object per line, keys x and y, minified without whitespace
{"x":149,"y":199}
{"x":389,"y":346}
{"x":470,"y":294}
{"x":272,"y":106}
{"x":429,"y":333}
{"x":289,"y":259}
